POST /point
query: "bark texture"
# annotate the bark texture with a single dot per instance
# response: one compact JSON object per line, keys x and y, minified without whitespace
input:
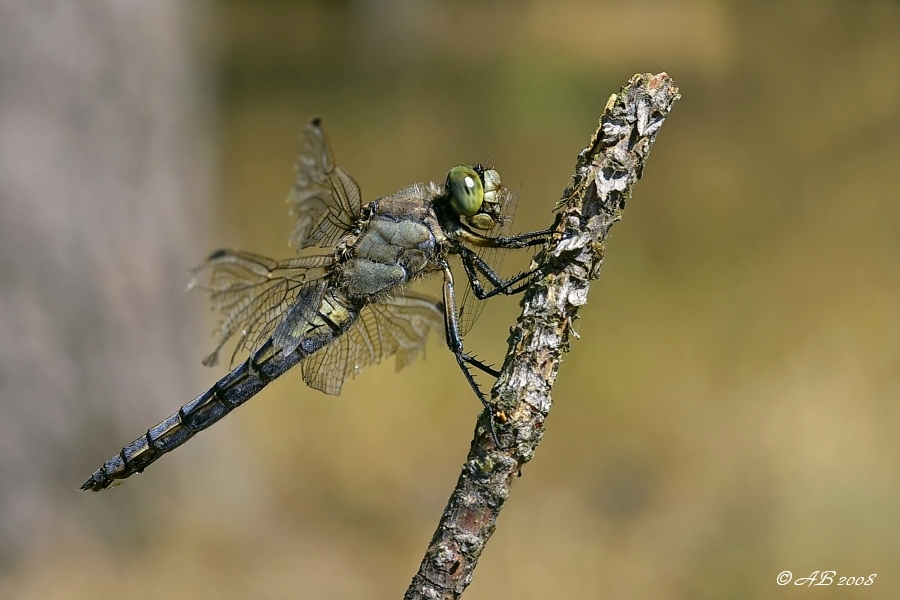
{"x":605,"y":172}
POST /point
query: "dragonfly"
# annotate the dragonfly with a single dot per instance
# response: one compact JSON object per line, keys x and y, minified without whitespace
{"x":337,"y":312}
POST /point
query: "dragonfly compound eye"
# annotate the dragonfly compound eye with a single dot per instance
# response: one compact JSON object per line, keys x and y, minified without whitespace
{"x":465,"y":189}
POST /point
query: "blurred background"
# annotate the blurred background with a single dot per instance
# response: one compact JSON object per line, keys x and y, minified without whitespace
{"x":729,"y":412}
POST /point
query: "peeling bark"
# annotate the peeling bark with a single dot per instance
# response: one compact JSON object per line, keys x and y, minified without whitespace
{"x":605,"y":172}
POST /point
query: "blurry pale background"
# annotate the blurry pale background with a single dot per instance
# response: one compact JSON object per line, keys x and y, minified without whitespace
{"x":731,"y":408}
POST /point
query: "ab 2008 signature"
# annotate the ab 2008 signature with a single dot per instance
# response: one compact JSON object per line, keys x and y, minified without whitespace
{"x":825,"y":578}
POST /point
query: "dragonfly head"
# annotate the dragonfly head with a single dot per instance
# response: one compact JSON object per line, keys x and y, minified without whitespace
{"x":474,"y":193}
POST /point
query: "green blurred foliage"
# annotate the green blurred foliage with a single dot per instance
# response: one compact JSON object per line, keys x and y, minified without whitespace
{"x":731,"y":407}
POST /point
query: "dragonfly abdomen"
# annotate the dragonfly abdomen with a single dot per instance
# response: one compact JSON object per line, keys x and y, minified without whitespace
{"x":238,"y":386}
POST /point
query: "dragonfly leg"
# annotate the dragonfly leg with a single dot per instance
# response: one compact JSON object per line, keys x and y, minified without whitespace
{"x":454,"y":342}
{"x":524,"y":240}
{"x":473,"y":264}
{"x":472,"y":360}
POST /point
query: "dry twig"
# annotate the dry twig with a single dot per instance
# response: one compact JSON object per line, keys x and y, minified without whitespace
{"x":605,"y":172}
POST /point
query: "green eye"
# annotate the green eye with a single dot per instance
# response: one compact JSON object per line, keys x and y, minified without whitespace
{"x":465,"y":190}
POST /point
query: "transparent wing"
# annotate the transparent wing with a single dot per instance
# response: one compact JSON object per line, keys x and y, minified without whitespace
{"x":396,"y":327}
{"x":470,"y":306}
{"x":254,"y":293}
{"x":324,"y":199}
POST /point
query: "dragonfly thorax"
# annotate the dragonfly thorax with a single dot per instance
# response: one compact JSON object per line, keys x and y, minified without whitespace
{"x":396,"y":244}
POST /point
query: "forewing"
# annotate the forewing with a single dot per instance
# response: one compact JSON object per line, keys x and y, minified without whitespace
{"x":396,"y":327}
{"x":470,"y":306}
{"x":254,"y":293}
{"x":324,"y":200}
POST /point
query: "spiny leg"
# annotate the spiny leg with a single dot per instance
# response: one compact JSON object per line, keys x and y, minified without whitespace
{"x":472,"y":263}
{"x":454,"y":342}
{"x":489,"y":369}
{"x":524,"y":240}
{"x":451,"y":326}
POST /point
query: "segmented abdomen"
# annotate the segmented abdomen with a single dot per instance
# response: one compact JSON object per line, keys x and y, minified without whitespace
{"x":241,"y":384}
